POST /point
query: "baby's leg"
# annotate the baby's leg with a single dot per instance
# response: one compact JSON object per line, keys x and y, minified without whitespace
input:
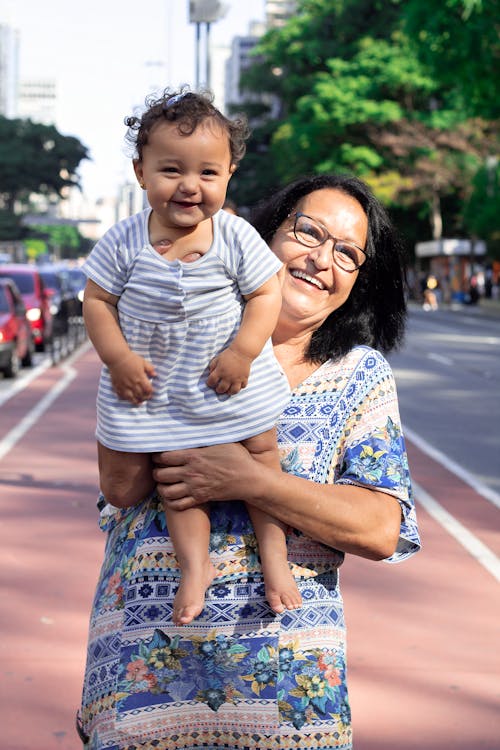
{"x":281,"y":590}
{"x":190,"y":533}
{"x":125,"y":478}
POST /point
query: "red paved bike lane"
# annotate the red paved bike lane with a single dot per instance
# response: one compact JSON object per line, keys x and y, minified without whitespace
{"x":422,"y":635}
{"x":50,"y":550}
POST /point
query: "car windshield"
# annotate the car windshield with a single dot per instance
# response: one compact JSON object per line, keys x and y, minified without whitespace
{"x":51,"y":279}
{"x":4,"y":302}
{"x":24,"y":281}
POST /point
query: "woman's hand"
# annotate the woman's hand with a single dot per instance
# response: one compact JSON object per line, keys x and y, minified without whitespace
{"x":191,"y":477}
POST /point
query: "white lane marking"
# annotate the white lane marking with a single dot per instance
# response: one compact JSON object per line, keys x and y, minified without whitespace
{"x":440,"y":358}
{"x":32,"y":417}
{"x":463,"y":536}
{"x":21,"y":383}
{"x":478,"y":486}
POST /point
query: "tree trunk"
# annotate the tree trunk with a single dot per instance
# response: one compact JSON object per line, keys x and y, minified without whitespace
{"x":436,"y":217}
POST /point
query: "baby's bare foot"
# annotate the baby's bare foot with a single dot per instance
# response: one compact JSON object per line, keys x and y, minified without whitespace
{"x":281,"y":590}
{"x":190,"y":597}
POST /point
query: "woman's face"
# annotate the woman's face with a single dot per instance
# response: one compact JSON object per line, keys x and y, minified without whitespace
{"x":312,"y":285}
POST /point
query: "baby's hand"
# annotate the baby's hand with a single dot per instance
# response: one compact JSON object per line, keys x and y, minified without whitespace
{"x":131,"y":378}
{"x":229,"y":372}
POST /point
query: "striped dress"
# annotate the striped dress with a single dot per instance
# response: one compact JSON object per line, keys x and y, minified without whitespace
{"x":179,"y":316}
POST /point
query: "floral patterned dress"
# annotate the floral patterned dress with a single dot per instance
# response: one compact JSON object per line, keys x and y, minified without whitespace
{"x":241,"y":676}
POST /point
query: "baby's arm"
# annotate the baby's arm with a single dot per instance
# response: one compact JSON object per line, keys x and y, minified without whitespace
{"x":229,"y":371}
{"x":130,"y":373}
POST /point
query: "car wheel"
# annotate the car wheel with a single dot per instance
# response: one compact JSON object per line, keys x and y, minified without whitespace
{"x":27,"y":360}
{"x":13,"y":366}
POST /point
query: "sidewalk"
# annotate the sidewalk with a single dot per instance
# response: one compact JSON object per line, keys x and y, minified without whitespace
{"x":490,"y":307}
{"x":486,"y":308}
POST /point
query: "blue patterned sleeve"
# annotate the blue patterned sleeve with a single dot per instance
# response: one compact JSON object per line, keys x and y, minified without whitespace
{"x":375,"y":456}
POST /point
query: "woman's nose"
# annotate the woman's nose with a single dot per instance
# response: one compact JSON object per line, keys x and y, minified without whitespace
{"x":322,"y":256}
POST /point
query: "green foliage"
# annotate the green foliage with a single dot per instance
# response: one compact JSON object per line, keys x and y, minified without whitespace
{"x":11,"y":227}
{"x":404,"y":94}
{"x":481,"y":209}
{"x":36,"y":158}
{"x":35,"y":248}
{"x":64,"y":240}
{"x":459,"y":41}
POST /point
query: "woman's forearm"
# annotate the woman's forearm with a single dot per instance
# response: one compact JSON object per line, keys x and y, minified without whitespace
{"x":353,"y":519}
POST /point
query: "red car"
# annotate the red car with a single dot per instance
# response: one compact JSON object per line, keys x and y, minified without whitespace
{"x":16,"y":340}
{"x":36,"y":300}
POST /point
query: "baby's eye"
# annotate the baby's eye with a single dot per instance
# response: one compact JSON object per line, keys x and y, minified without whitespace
{"x":170,"y":170}
{"x":209,"y":172}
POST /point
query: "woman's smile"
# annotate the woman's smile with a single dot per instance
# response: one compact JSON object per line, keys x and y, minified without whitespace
{"x":303,"y":276}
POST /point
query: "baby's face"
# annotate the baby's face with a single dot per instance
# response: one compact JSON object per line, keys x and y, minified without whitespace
{"x":186,"y":176}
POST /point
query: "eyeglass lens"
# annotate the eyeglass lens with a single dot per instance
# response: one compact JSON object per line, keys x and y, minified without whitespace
{"x":311,"y":234}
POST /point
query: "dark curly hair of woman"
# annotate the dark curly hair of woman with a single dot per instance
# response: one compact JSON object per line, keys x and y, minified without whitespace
{"x":187,"y":109}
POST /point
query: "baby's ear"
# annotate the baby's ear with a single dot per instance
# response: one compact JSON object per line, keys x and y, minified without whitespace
{"x":138,"y":170}
{"x":232,"y":169}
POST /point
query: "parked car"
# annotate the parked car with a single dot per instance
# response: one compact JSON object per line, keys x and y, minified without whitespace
{"x":30,"y":284}
{"x":64,"y":304}
{"x":77,"y":279}
{"x":16,"y":340}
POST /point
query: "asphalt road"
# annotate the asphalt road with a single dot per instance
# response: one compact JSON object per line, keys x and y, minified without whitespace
{"x":448,"y":377}
{"x":423,"y":635}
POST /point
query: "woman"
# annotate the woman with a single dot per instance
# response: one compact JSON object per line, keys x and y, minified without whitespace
{"x":240,"y":676}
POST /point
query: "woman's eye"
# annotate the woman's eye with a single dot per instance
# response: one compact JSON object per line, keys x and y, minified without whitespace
{"x":347,"y":250}
{"x":312,"y":231}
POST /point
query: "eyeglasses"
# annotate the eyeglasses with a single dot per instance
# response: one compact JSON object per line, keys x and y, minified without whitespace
{"x":310,"y":233}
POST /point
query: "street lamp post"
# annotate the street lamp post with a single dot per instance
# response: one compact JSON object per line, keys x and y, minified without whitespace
{"x":205,"y":12}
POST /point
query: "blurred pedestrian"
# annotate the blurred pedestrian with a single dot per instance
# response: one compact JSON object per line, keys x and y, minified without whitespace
{"x":430,"y":293}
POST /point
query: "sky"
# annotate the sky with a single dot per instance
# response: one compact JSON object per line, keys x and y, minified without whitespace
{"x":106,"y":56}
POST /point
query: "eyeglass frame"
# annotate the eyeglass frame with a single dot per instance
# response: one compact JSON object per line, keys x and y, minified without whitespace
{"x":297,"y":214}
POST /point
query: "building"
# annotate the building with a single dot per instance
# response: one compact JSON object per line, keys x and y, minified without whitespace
{"x":238,"y":61}
{"x":277,"y":13}
{"x":9,"y":70}
{"x":38,"y":101}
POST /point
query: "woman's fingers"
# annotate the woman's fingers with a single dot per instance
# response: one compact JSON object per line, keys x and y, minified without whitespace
{"x":212,"y":473}
{"x":171,"y":458}
{"x":177,"y":496}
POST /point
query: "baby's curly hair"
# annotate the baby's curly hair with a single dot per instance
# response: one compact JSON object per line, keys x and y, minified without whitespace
{"x":187,"y":109}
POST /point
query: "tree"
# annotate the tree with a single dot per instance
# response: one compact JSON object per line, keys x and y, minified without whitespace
{"x":64,"y":240}
{"x":459,"y":42}
{"x":359,"y":94}
{"x":36,"y":158}
{"x":481,"y":209}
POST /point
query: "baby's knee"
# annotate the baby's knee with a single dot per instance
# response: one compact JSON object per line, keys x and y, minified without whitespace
{"x":123,"y":491}
{"x":264,"y":448}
